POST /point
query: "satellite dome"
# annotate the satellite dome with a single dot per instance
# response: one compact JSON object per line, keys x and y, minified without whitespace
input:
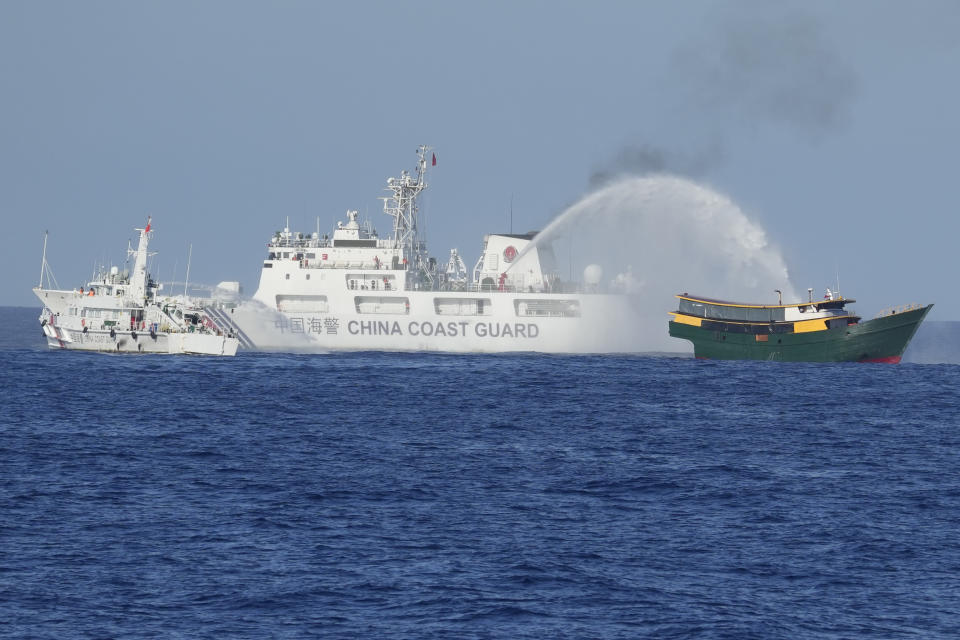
{"x":592,"y":274}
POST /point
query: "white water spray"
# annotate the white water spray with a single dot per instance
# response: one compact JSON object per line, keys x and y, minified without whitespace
{"x":659,"y":235}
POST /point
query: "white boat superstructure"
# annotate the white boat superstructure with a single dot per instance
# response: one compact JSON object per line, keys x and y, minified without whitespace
{"x":354,"y":289}
{"x":123,"y":312}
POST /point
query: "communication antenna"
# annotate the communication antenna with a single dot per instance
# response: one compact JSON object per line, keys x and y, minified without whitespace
{"x":511,"y":213}
{"x":779,"y":296}
{"x":187,"y":279}
{"x":43,"y":260}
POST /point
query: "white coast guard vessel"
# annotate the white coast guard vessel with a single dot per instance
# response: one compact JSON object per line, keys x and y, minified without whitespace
{"x":123,"y":313}
{"x":357,"y":290}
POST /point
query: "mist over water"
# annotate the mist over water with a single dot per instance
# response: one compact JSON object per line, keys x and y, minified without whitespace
{"x":659,"y":235}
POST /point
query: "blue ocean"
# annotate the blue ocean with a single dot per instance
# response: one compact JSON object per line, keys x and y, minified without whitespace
{"x":387,"y":495}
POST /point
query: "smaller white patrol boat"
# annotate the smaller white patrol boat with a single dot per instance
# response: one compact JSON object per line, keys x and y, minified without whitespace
{"x":122,"y":313}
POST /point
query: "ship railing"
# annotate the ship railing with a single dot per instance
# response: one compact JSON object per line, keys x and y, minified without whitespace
{"x":342,"y":264}
{"x":903,"y":308}
{"x":299,"y":243}
{"x":479,"y":287}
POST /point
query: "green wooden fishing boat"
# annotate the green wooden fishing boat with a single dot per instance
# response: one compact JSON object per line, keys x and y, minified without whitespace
{"x":811,"y":331}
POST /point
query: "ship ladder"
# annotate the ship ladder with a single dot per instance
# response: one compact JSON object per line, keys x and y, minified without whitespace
{"x":222,"y":318}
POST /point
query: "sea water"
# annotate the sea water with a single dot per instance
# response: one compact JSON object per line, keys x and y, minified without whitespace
{"x":374,"y":495}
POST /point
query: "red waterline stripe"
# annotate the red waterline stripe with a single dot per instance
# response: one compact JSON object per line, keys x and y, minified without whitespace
{"x":887,"y":360}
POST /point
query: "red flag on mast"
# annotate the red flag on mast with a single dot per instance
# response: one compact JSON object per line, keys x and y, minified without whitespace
{"x":434,"y":159}
{"x":147,"y":230}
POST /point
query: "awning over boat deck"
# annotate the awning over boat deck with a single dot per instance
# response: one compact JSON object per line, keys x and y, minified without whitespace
{"x":742,"y":312}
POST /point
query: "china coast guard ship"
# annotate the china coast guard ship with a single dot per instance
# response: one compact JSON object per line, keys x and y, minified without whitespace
{"x":357,"y":290}
{"x":122,"y":313}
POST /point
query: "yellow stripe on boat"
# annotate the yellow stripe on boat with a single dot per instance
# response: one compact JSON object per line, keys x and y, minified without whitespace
{"x":682,"y":319}
{"x":809,"y":325}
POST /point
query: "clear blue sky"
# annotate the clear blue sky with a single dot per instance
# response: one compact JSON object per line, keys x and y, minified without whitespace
{"x":833,"y":125}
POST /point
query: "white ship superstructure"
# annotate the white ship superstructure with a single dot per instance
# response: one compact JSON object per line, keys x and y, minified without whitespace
{"x":124,"y":312}
{"x":354,"y":289}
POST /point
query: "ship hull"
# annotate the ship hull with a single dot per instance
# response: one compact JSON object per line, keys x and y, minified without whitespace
{"x":59,"y":337}
{"x":882,"y":339}
{"x":602,"y":324}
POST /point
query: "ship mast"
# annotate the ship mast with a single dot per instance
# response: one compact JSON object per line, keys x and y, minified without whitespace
{"x":43,"y":260}
{"x":139,"y":280}
{"x":401,"y":205}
